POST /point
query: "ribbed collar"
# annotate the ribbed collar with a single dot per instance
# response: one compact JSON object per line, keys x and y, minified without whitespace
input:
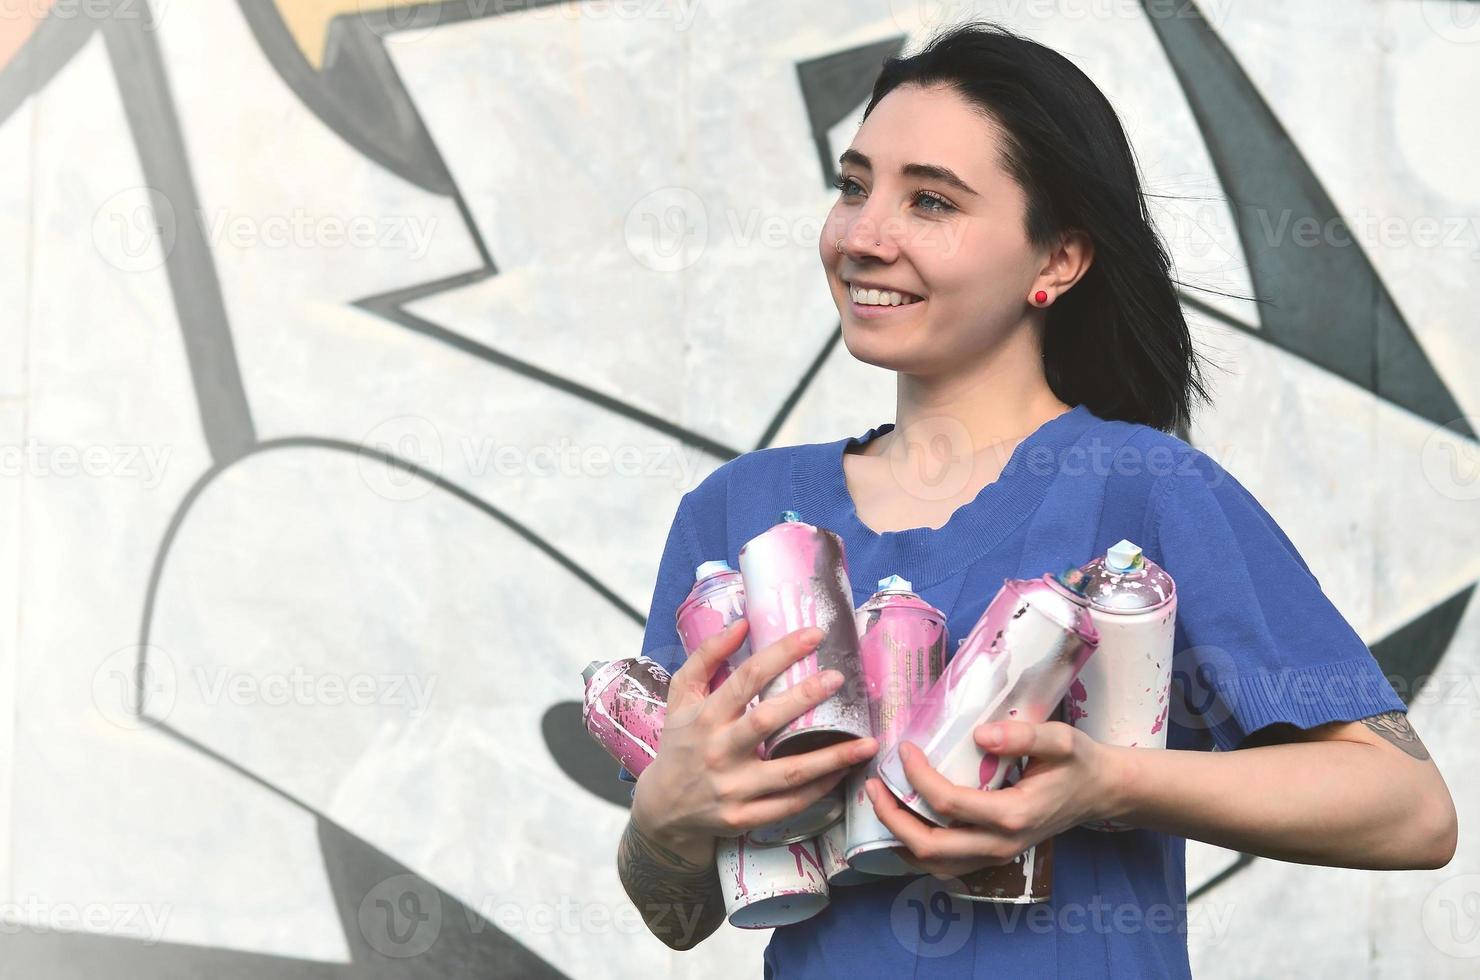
{"x":925,"y":555}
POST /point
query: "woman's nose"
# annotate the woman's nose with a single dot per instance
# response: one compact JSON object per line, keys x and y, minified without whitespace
{"x":865,"y":237}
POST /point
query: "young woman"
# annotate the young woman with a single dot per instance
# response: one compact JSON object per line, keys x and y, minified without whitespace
{"x":991,"y":245}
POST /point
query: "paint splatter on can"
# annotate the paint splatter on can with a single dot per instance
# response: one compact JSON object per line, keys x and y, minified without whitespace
{"x":1025,"y":879}
{"x":796,"y":576}
{"x":834,"y":864}
{"x":1122,"y":695}
{"x":902,"y":646}
{"x":1016,"y":663}
{"x":716,"y":600}
{"x":766,"y":887}
{"x":624,"y":706}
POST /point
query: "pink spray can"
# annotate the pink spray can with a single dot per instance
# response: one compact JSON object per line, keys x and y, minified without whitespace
{"x":902,"y":645}
{"x":1016,"y":663}
{"x":1122,"y":695}
{"x":716,"y":600}
{"x":796,"y":576}
{"x":624,"y":706}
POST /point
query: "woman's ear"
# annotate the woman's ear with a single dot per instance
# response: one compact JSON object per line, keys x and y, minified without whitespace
{"x":1069,"y":260}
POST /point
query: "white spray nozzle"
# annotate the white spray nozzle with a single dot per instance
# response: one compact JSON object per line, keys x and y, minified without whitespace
{"x":1123,"y":556}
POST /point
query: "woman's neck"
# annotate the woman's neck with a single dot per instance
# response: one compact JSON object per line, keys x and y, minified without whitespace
{"x":996,"y":404}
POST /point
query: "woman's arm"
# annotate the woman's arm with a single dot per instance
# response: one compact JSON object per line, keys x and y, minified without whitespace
{"x":1360,"y":794}
{"x":675,"y":886}
{"x":1348,"y":794}
{"x":708,"y":781}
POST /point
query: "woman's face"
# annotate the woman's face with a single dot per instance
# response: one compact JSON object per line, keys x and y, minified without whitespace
{"x":950,"y":236}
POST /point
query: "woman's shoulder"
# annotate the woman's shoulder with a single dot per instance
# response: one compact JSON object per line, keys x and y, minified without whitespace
{"x":1140,"y":458}
{"x":746,"y":473}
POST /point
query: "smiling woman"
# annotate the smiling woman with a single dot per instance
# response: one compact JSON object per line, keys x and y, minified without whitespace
{"x":991,"y":245}
{"x":992,"y":183}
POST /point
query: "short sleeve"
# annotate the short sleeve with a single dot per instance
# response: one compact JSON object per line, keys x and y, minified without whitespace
{"x":676,"y":567}
{"x":1257,"y":641}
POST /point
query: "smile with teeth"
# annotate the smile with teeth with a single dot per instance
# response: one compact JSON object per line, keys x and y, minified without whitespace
{"x":880,"y":297}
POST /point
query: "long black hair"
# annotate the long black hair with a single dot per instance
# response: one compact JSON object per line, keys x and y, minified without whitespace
{"x":1117,"y":341}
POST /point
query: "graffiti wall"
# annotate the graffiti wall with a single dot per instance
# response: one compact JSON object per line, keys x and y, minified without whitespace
{"x":355,"y":354}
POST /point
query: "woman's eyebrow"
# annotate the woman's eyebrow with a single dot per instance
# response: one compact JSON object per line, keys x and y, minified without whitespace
{"x":928,"y":171}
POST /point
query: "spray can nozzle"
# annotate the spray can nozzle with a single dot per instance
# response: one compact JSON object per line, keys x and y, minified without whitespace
{"x":709,"y":568}
{"x":1124,"y":556}
{"x":1073,"y":579}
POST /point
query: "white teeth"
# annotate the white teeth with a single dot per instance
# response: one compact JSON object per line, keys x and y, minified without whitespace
{"x":880,"y":297}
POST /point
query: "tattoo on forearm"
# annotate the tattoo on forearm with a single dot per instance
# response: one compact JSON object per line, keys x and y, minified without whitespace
{"x":1393,"y":726}
{"x":680,"y":901}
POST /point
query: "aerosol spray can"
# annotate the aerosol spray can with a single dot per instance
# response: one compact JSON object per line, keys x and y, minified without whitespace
{"x":716,"y":600}
{"x":796,"y":576}
{"x":766,"y":887}
{"x":624,"y":706}
{"x":839,"y":872}
{"x":1026,"y":878}
{"x":902,"y":645}
{"x":1017,"y":663}
{"x":1122,"y":695}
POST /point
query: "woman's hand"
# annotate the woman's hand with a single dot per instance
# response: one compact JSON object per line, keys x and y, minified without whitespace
{"x":707,"y":779}
{"x":1071,"y":779}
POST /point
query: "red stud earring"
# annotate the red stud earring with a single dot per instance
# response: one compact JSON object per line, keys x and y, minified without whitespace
{"x":1040,"y":297}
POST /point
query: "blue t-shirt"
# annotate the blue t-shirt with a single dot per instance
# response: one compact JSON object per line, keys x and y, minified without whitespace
{"x":1257,"y":641}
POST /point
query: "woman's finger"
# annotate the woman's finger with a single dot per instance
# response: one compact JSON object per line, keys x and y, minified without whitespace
{"x":779,"y":806}
{"x":996,"y":809}
{"x":691,"y":681}
{"x":792,"y":771}
{"x":1013,"y":739}
{"x":927,"y":842}
{"x":769,"y":716}
{"x":732,"y":697}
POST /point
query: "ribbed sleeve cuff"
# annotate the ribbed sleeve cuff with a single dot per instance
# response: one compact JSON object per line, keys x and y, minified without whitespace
{"x":1347,"y":690}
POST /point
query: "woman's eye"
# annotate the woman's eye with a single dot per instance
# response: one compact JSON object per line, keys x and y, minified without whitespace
{"x":932,"y":201}
{"x":843,"y":183}
{"x":937,"y":203}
